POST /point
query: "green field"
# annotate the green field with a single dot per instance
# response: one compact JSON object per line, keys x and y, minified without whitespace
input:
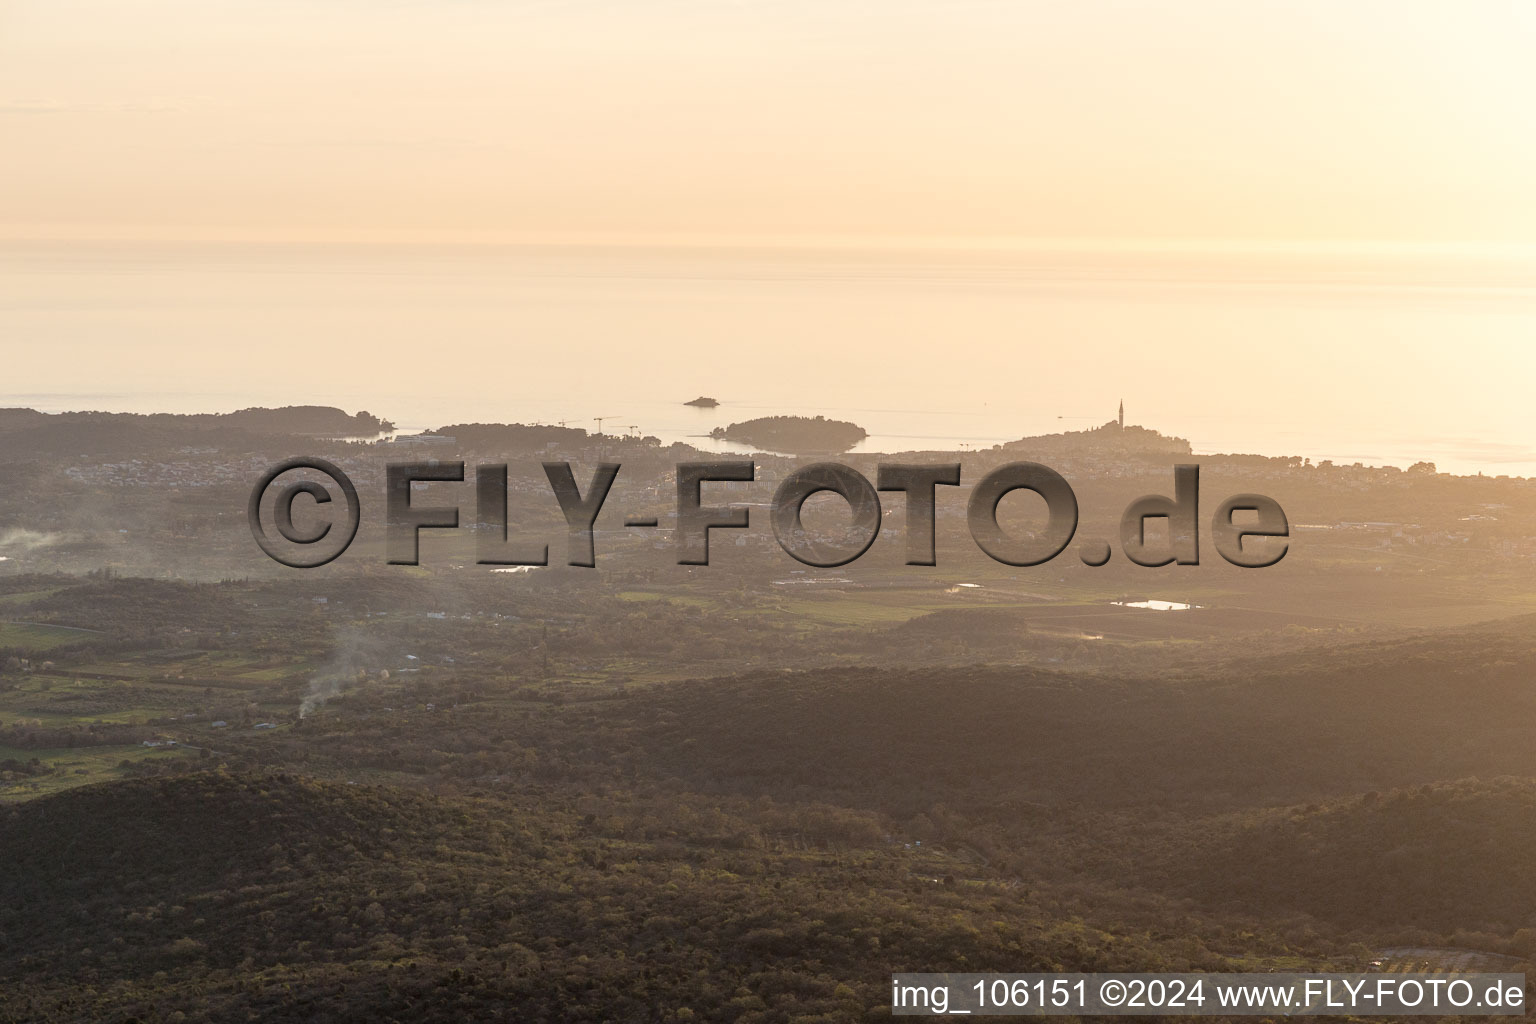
{"x":26,"y":597}
{"x":76,"y":766}
{"x":37,"y":637}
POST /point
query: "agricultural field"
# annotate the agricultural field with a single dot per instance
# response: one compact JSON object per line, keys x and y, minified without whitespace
{"x":41,"y":638}
{"x":61,"y":768}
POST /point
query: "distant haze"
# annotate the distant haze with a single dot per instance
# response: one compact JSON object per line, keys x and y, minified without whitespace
{"x":517,"y":119}
{"x":1300,"y":227}
{"x":1378,"y":356}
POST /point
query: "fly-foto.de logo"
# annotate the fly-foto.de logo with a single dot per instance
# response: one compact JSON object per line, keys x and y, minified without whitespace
{"x":334,"y":513}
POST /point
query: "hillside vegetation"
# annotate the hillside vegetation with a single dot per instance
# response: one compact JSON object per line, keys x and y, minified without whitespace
{"x":216,"y":896}
{"x":518,"y":800}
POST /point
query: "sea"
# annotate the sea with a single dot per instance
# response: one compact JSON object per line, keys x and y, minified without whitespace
{"x":1379,"y":354}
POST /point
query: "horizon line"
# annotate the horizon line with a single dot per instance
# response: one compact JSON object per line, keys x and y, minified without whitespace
{"x":830,"y":241}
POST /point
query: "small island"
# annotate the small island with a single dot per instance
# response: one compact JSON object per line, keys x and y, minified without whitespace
{"x":703,"y":402}
{"x":794,"y":435}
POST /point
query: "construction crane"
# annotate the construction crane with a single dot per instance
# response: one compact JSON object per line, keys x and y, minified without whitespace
{"x":600,"y":419}
{"x":631,"y":428}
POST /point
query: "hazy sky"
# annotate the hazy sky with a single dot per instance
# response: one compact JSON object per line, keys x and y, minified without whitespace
{"x":510,"y":119}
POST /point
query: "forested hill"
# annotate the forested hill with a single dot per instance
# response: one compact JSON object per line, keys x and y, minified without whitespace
{"x":1442,"y":857}
{"x":512,"y":437}
{"x":216,"y":897}
{"x":1344,"y":719}
{"x":75,"y":433}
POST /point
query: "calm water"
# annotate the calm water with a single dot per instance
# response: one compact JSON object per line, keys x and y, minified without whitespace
{"x":1376,"y":356}
{"x":1157,"y":605}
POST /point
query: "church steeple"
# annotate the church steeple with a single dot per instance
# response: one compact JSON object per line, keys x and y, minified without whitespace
{"x":1122,"y":414}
